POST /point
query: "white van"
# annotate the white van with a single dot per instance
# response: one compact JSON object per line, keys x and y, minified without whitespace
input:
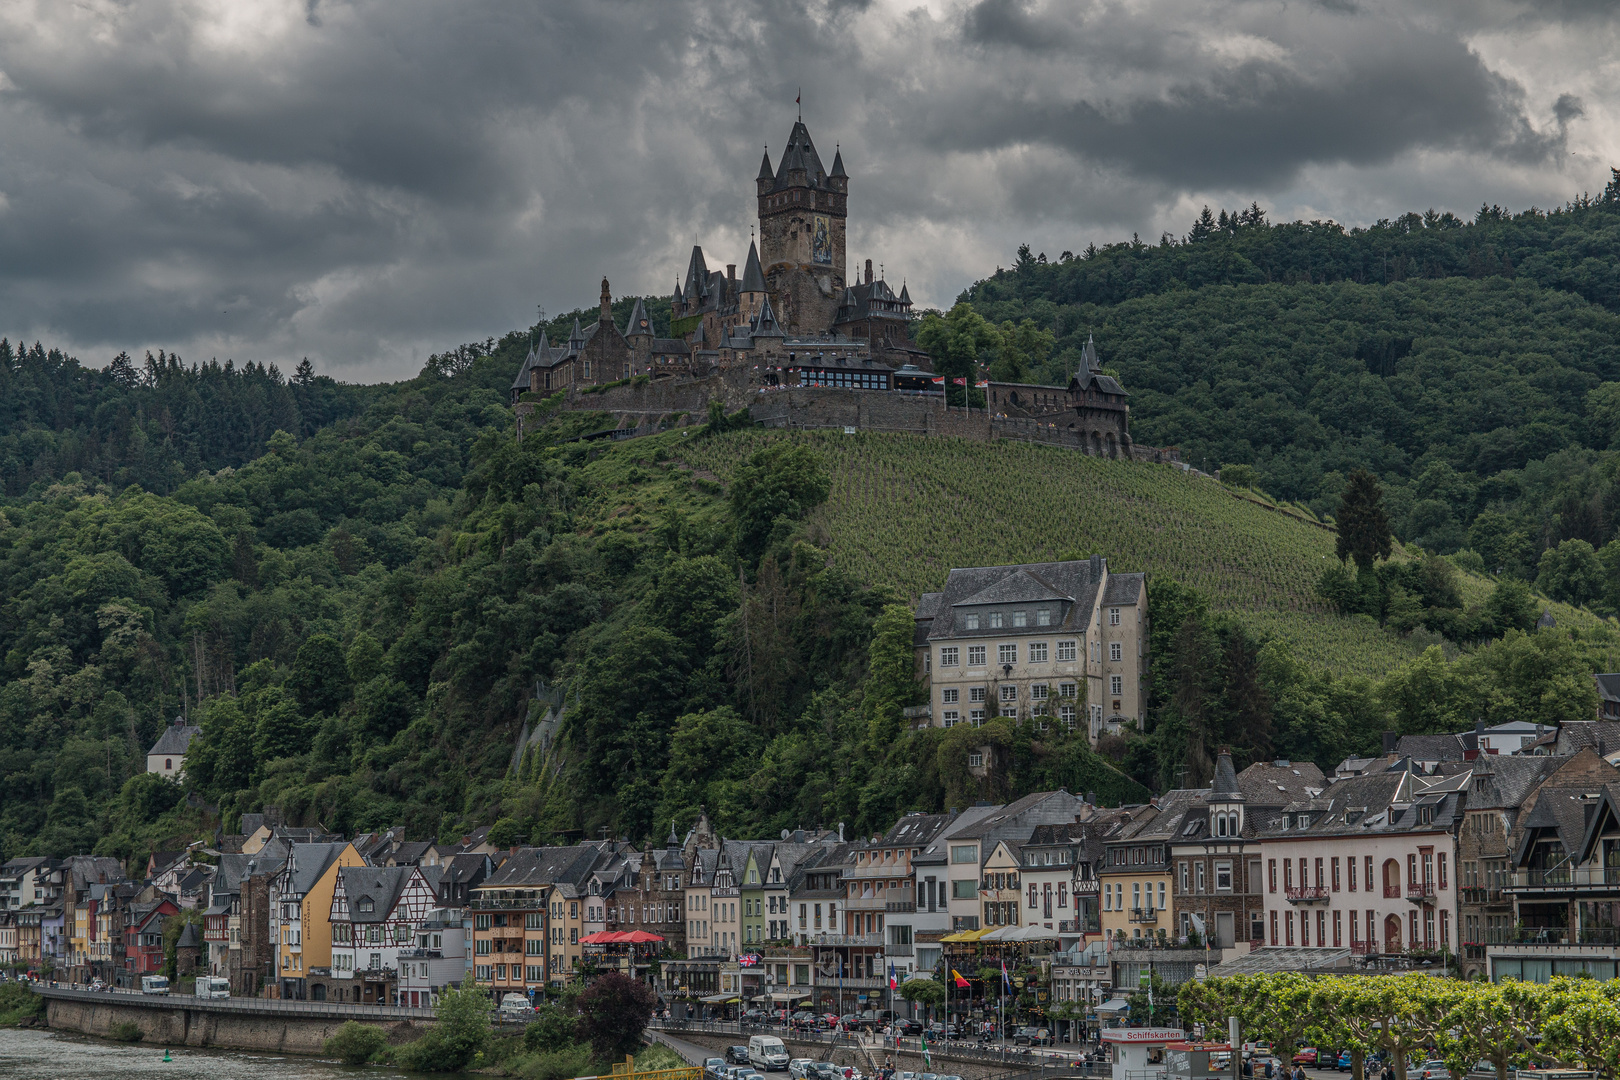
{"x":154,"y":984}
{"x":766,"y":1052}
{"x":516,"y":1007}
{"x":209,"y":986}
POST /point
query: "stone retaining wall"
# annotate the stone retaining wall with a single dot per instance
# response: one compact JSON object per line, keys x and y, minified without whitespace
{"x":175,"y":1021}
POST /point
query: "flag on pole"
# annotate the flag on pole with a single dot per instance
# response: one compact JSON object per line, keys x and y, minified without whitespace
{"x":961,"y":983}
{"x":894,"y":983}
{"x":939,"y":381}
{"x":1006,"y":982}
{"x":928,"y":1057}
{"x":983,"y":385}
{"x":959,"y":382}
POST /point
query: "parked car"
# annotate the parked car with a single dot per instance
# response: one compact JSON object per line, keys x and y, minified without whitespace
{"x":737,"y":1055}
{"x":1305,"y":1056}
{"x":1433,"y":1069}
{"x":154,"y":984}
{"x":908,"y":1027}
{"x":712,"y":1067}
{"x":1343,"y":1064}
{"x":799,"y":1068}
{"x":825,"y":1070}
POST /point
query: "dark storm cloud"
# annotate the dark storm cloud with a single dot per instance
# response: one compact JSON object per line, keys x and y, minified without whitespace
{"x":365,"y":182}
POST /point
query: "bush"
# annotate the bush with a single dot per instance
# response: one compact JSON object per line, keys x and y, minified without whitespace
{"x":1239,"y":476}
{"x":574,"y":1060}
{"x":355,"y":1043}
{"x":613,"y":1011}
{"x":551,"y":1029}
{"x":452,"y":1043}
{"x":125,"y":1031}
{"x":18,"y":1003}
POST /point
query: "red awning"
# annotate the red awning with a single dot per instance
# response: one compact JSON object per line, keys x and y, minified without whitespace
{"x":601,"y":937}
{"x":639,"y":936}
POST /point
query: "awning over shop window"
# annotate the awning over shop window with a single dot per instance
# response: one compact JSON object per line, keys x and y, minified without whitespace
{"x":1114,"y":1005}
{"x":789,"y":995}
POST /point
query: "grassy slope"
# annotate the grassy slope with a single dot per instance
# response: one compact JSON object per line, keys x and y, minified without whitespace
{"x":904,"y":510}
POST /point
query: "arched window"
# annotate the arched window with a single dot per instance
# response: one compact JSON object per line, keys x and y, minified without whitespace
{"x":168,"y":763}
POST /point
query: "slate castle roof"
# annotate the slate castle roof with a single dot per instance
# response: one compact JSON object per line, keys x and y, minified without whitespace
{"x":174,"y":740}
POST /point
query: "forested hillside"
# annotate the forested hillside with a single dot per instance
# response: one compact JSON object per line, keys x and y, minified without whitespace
{"x":1473,"y":365}
{"x":355,"y":590}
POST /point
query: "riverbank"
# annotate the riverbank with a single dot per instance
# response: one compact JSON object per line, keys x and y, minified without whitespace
{"x":39,"y":1054}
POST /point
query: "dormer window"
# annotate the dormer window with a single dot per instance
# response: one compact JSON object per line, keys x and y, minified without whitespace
{"x":1220,"y":824}
{"x":365,"y":905}
{"x":971,"y":621}
{"x":995,"y":620}
{"x":1043,"y":616}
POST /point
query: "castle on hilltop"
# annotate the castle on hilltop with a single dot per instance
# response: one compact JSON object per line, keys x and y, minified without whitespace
{"x":792,"y":302}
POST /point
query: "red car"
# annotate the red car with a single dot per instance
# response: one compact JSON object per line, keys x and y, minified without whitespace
{"x":1306,"y":1056}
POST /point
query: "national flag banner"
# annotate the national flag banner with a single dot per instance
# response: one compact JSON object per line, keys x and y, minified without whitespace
{"x":928,"y":1057}
{"x":959,"y":382}
{"x":1006,"y":982}
{"x":939,"y":381}
{"x":961,"y":983}
{"x":983,"y":385}
{"x":894,"y":983}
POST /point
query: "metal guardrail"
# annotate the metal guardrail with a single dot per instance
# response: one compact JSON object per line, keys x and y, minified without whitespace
{"x":263,"y":1006}
{"x":1038,"y":1061}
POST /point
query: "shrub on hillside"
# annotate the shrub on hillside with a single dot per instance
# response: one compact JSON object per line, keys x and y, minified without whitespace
{"x":355,"y":1043}
{"x":573,"y":1060}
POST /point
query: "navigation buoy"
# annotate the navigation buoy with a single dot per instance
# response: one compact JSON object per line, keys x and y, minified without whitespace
{"x":166,"y":1056}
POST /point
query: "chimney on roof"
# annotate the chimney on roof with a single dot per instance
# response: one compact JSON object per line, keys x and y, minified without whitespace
{"x":1096,"y":567}
{"x":731,"y":272}
{"x":1154,"y":802}
{"x":1091,"y":798}
{"x":1392,"y":739}
{"x":868,"y":271}
{"x":840,"y":832}
{"x":607,"y":302}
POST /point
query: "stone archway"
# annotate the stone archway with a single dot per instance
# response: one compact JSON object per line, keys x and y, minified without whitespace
{"x":1392,"y":934}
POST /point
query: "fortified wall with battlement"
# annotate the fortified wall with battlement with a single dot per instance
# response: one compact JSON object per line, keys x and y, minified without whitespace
{"x":662,"y":403}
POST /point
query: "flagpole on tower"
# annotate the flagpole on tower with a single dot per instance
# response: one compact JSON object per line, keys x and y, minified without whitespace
{"x":798,"y":99}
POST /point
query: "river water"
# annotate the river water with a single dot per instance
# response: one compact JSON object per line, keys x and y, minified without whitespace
{"x":48,"y":1055}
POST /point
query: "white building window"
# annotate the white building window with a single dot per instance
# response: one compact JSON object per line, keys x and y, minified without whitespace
{"x":1037,"y":652}
{"x":1066,"y":714}
{"x":976,"y":717}
{"x":1020,"y":618}
{"x":1116,"y":684}
{"x":952,"y":717}
{"x":949,"y":656}
{"x":1116,"y":651}
{"x":995,"y":620}
{"x":976,"y":760}
{"x":1113,"y":616}
{"x":1009,"y":692}
{"x":1043,"y":616}
{"x":1006,"y":654}
{"x":1223,"y":877}
{"x":1066,"y":690}
{"x":975,"y":656}
{"x":1067,"y":650}
{"x":950,"y":695}
{"x":976,"y":693}
{"x":971,"y":622}
{"x":1037,"y":692}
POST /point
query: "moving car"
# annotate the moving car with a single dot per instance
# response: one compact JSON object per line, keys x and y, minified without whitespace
{"x":1305,"y":1056}
{"x":799,"y":1068}
{"x":1343,"y":1064}
{"x":712,"y":1067}
{"x":1433,"y":1069}
{"x":908,"y":1027}
{"x":766,"y":1053}
{"x":825,"y":1070}
{"x":154,"y":984}
{"x":736,"y":1055}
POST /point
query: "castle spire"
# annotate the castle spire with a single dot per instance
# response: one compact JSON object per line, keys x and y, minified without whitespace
{"x":639,"y":324}
{"x":765,"y":172}
{"x":753,"y":279}
{"x":607,"y":303}
{"x":838,"y":172}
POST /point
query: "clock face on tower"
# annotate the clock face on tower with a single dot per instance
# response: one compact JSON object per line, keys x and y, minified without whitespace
{"x":821,"y":241}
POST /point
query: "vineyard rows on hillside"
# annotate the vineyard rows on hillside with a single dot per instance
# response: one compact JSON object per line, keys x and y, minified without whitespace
{"x":904,"y":510}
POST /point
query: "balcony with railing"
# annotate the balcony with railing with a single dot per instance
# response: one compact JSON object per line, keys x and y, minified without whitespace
{"x":1392,"y":892}
{"x":1566,"y":879}
{"x":1553,"y":936}
{"x":900,"y":905}
{"x":843,"y":940}
{"x":1307,"y":894}
{"x":1144,"y":915}
{"x":1364,"y":948}
{"x":1420,"y":892}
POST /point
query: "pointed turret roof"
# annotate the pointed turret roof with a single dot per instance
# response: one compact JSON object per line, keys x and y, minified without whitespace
{"x":673,"y":841}
{"x":576,"y":337}
{"x":697,"y":276}
{"x":800,"y":154}
{"x":765,"y":172}
{"x":905,"y":294}
{"x":639,"y":324}
{"x":1088,"y":355}
{"x":1225,"y":786}
{"x":767,"y":326}
{"x":838,"y":165}
{"x":678,"y":296}
{"x":753,"y":279}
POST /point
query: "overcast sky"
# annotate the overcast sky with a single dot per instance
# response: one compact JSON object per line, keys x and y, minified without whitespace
{"x":368,"y":182}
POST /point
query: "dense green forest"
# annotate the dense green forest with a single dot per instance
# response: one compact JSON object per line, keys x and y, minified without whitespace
{"x":1474,"y":366}
{"x":356,"y":591}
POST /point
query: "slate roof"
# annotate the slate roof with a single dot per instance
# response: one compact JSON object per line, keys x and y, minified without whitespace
{"x":1024,"y":583}
{"x":174,"y":740}
{"x":310,"y":861}
{"x":1608,"y":685}
{"x":189,"y":937}
{"x":531,"y":867}
{"x":753,"y":279}
{"x":1090,"y":373}
{"x":381,"y":884}
{"x":916,"y":830}
{"x":639,"y":323}
{"x":1561,"y":810}
{"x":765,"y":325}
{"x":1267,"y":784}
{"x":1601,"y":735}
{"x":1504,"y":783}
{"x":1225,"y":783}
{"x":410,"y":851}
{"x":800,"y":154}
{"x":1016,"y":820}
{"x":1123,"y":589}
{"x":1432,"y":747}
{"x":969,"y":819}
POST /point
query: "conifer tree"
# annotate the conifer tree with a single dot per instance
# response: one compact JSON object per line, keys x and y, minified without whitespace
{"x":1363,"y":526}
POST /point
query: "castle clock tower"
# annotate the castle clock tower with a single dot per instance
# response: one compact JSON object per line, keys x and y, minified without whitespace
{"x":802,"y":211}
